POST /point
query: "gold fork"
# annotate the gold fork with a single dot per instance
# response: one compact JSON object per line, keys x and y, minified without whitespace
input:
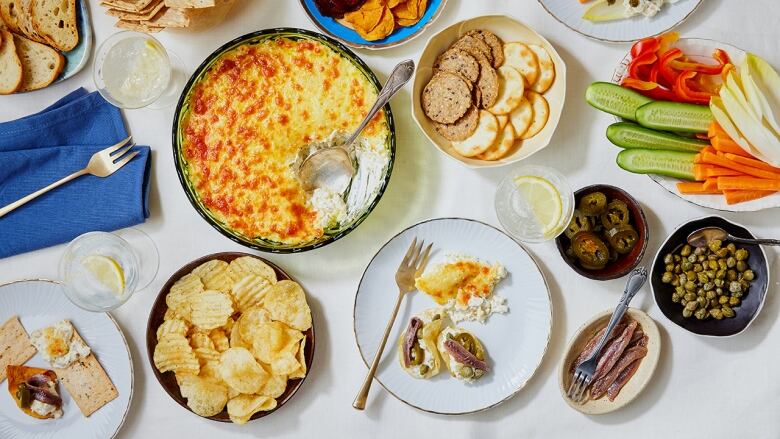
{"x":411,"y":267}
{"x":102,"y":164}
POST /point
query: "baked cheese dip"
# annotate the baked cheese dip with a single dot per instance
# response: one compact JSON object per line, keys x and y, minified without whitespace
{"x":249,"y":116}
{"x":464,"y":287}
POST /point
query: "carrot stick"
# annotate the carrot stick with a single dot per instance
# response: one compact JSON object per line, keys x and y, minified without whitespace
{"x":748,"y":183}
{"x":725,"y":144}
{"x":695,"y":188}
{"x":716,"y":131}
{"x":722,"y":161}
{"x":711,"y":185}
{"x":740,"y":196}
{"x":747,"y":161}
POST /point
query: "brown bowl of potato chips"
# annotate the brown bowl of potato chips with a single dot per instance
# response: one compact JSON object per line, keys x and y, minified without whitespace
{"x":230,"y":337}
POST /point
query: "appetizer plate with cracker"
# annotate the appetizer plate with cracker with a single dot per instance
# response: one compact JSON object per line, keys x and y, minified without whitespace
{"x":449,"y":350}
{"x":92,"y":375}
{"x":230,"y":337}
{"x":262,"y":203}
{"x":489,"y":91}
{"x":373,"y":24}
{"x":609,"y":26}
{"x":632,"y":374}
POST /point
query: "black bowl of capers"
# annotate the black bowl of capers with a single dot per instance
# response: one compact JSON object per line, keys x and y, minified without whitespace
{"x":715,"y":290}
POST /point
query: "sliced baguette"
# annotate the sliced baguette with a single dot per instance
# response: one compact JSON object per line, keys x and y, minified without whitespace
{"x":26,"y":24}
{"x":55,"y":20}
{"x":10,"y":65}
{"x":41,"y":65}
{"x":9,"y":10}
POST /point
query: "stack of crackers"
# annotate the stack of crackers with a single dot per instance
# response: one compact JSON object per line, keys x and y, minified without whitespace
{"x":156,"y":15}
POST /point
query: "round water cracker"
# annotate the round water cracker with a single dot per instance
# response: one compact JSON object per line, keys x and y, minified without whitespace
{"x":521,"y":57}
{"x":502,"y":145}
{"x":541,"y":114}
{"x":488,"y":85}
{"x":503,"y":119}
{"x":460,"y":62}
{"x":495,"y":44}
{"x":462,"y":128}
{"x":446,"y":97}
{"x":474,"y":46}
{"x":546,"y":69}
{"x":483,"y":137}
{"x":510,"y":94}
{"x":521,"y":117}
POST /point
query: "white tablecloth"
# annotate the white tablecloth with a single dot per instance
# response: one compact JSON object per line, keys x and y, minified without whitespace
{"x":713,"y":388}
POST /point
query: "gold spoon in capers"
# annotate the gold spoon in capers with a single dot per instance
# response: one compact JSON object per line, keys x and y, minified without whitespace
{"x":702,"y":237}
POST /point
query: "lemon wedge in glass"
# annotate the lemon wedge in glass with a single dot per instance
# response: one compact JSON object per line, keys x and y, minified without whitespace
{"x":543,"y":199}
{"x":106,"y":271}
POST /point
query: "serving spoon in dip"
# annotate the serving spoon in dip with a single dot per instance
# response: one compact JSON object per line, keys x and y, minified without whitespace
{"x":331,"y":166}
{"x":704,"y":236}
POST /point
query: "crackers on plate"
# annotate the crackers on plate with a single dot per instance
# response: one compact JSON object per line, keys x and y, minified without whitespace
{"x":486,"y":96}
{"x":155,"y":15}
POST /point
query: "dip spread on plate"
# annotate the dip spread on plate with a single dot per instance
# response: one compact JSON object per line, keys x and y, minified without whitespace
{"x":250,"y":114}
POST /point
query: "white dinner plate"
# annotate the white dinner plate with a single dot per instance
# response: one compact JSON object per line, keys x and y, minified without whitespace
{"x":701,"y":50}
{"x":38,"y":304}
{"x":515,"y":342}
{"x":570,"y":12}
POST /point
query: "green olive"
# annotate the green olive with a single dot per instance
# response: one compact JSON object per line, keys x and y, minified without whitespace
{"x":742,"y":266}
{"x":748,"y":275}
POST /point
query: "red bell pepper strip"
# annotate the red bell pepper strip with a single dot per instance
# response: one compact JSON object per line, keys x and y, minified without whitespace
{"x":666,"y":41}
{"x":641,"y":66}
{"x":683,"y":91}
{"x":650,"y":89}
{"x":648,"y":45}
{"x":668,"y":72}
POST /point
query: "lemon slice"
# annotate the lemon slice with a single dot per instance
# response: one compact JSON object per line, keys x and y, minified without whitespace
{"x":107,"y":271}
{"x":543,"y":199}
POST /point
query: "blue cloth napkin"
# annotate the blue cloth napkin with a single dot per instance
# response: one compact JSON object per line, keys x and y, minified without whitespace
{"x":40,"y":149}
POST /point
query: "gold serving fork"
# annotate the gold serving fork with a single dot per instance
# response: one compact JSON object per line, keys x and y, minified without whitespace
{"x":102,"y":164}
{"x":411,"y":267}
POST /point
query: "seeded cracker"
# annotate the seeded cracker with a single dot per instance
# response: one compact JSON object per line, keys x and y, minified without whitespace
{"x":462,"y":128}
{"x":446,"y":98}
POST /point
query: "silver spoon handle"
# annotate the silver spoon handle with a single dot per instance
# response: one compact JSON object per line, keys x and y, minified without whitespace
{"x":754,"y":241}
{"x":400,"y":76}
{"x":636,"y":279}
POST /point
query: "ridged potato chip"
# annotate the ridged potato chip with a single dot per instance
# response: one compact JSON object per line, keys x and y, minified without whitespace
{"x":240,"y":370}
{"x":173,"y":352}
{"x":216,"y":275}
{"x":171,"y":314}
{"x":249,"y":291}
{"x":200,"y":339}
{"x":210,"y":371}
{"x":181,"y":294}
{"x":204,"y":397}
{"x":210,"y":309}
{"x":286,"y":302}
{"x":220,"y":339}
{"x":273,"y":339}
{"x":241,"y":408}
{"x":173,"y":326}
{"x":246,"y":265}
